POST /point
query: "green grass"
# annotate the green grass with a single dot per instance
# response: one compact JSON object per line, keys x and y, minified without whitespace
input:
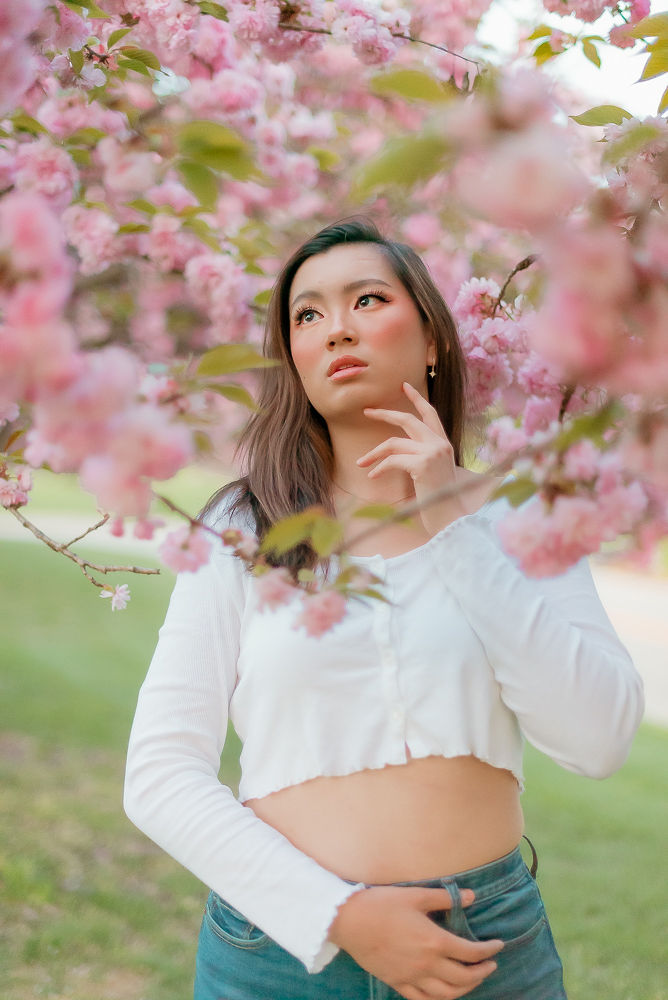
{"x":91,"y":910}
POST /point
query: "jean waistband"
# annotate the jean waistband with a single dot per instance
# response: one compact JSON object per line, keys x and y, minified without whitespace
{"x":485,"y":880}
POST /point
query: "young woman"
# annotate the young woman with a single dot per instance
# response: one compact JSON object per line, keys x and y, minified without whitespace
{"x":373,"y":851}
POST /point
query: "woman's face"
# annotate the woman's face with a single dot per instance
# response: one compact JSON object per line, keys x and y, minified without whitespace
{"x":355,"y":332}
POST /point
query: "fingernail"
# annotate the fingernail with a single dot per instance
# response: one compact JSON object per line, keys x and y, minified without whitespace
{"x":467,"y":895}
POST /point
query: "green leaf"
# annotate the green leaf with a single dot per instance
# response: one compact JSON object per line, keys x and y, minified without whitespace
{"x":217,"y":147}
{"x":590,"y":425}
{"x":543,"y":52}
{"x":657,"y":62}
{"x":81,"y":157}
{"x":236,"y":393}
{"x":631,"y":143}
{"x":656,"y":25}
{"x":306,"y":576}
{"x":288,"y":532}
{"x":86,"y":9}
{"x":591,"y":52}
{"x":516,"y":491}
{"x":414,"y":84}
{"x":228,"y":358}
{"x":540,"y":32}
{"x":116,"y":36}
{"x":140,"y":55}
{"x":142,"y":205}
{"x":201,"y":181}
{"x":326,"y":158}
{"x":326,"y":535}
{"x":663,"y":103}
{"x":208,"y":134}
{"x":76,"y":60}
{"x":203,"y":232}
{"x":375,"y":510}
{"x":405,"y":161}
{"x":262,"y":298}
{"x":87,"y":136}
{"x":134,"y":227}
{"x":214,"y":9}
{"x":602,"y":114}
{"x":133,"y":64}
{"x":26,"y":123}
{"x":372,"y":592}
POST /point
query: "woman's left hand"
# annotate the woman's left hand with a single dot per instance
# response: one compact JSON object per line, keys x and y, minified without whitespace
{"x":425,"y":454}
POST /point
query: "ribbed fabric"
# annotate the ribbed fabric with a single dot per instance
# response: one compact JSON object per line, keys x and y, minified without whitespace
{"x":468,"y":656}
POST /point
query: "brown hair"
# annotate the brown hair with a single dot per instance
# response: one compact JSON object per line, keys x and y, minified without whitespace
{"x":285,"y":445}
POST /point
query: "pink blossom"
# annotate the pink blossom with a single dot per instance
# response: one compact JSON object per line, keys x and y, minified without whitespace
{"x":504,"y":438}
{"x":274,"y":588}
{"x":8,"y":413}
{"x":525,"y":181}
{"x":169,"y":245}
{"x":171,"y":192}
{"x":17,"y":72}
{"x":62,"y":29}
{"x":11,"y":494}
{"x":230,"y":92}
{"x":422,"y":229}
{"x":321,"y":612}
{"x":539,"y":413}
{"x":119,"y":595}
{"x":214,"y":46}
{"x":581,"y":461}
{"x":66,"y":113}
{"x":125,"y":171}
{"x":546,"y":542}
{"x":620,"y":36}
{"x":92,"y":232}
{"x":639,"y":9}
{"x":220,"y":287}
{"x":20,"y":17}
{"x":476,"y":299}
{"x":145,"y":527}
{"x":255,"y":23}
{"x":185,"y":549}
{"x":47,"y":170}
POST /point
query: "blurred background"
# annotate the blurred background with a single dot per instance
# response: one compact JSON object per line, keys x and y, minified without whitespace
{"x":89,"y":908}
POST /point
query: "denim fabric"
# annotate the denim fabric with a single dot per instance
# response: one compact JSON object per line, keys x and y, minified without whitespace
{"x":237,"y":961}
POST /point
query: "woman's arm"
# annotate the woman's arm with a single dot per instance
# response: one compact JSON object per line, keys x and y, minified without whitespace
{"x":556,"y":657}
{"x":172,"y":792}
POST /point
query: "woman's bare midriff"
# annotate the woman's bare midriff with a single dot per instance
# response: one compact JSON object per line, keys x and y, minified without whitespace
{"x":429,"y":817}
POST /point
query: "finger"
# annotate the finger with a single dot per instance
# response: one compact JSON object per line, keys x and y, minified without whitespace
{"x":426,"y":411}
{"x":448,"y":985}
{"x":412,"y":425}
{"x":437,"y":899}
{"x":472,"y":952}
{"x":404,"y":463}
{"x":389,"y":447}
{"x":459,"y":974}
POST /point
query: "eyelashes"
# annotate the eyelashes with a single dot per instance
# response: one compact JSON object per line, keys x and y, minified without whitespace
{"x":375,"y":294}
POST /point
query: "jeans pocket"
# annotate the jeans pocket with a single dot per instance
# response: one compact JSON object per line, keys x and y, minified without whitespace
{"x":231,"y":926}
{"x":514,"y":916}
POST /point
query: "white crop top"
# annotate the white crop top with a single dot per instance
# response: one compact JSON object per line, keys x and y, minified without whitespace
{"x":469,"y":657}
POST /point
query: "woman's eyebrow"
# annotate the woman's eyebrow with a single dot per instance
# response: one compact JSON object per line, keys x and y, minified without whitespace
{"x":350,"y":287}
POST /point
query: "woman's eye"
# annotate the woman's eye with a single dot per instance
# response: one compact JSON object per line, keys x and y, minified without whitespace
{"x":364,"y":300}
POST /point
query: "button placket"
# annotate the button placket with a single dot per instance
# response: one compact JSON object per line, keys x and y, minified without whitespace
{"x":389,"y":663}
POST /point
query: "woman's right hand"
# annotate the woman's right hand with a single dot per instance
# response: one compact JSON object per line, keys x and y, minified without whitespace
{"x":387,"y":931}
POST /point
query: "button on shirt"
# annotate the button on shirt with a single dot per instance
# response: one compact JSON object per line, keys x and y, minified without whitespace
{"x":467,"y":656}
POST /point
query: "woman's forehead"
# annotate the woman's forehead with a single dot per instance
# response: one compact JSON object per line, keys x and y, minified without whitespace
{"x":340,"y":264}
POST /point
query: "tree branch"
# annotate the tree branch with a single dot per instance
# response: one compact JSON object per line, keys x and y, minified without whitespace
{"x":84,"y":564}
{"x":522,"y":266}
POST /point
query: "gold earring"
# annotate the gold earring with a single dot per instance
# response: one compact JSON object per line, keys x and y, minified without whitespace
{"x":432,"y":371}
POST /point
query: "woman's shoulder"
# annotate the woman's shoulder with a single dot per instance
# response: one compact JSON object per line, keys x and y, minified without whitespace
{"x":229,"y":508}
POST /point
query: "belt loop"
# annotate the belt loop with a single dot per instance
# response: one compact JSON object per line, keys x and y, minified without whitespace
{"x":534,"y":860}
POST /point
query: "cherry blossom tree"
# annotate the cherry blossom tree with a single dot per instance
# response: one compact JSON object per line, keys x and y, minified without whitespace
{"x":158,"y":159}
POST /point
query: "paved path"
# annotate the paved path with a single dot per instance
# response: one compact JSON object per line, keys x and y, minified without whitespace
{"x":637,"y":603}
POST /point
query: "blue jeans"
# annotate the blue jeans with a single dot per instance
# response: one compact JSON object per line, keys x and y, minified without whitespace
{"x":237,"y":961}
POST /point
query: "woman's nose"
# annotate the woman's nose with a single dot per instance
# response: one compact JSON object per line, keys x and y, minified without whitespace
{"x":340,"y":332}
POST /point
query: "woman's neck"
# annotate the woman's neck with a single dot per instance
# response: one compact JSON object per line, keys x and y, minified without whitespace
{"x":349,"y":444}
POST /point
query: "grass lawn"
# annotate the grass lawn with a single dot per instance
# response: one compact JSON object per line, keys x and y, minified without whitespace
{"x":91,"y":910}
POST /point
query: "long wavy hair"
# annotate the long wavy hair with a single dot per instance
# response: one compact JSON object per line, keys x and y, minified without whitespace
{"x":285,"y":447}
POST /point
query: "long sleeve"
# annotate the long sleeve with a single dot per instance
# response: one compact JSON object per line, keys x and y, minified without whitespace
{"x":559,"y":664}
{"x":172,"y":792}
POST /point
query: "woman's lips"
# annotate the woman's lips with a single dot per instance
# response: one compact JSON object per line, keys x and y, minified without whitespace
{"x":347,"y":372}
